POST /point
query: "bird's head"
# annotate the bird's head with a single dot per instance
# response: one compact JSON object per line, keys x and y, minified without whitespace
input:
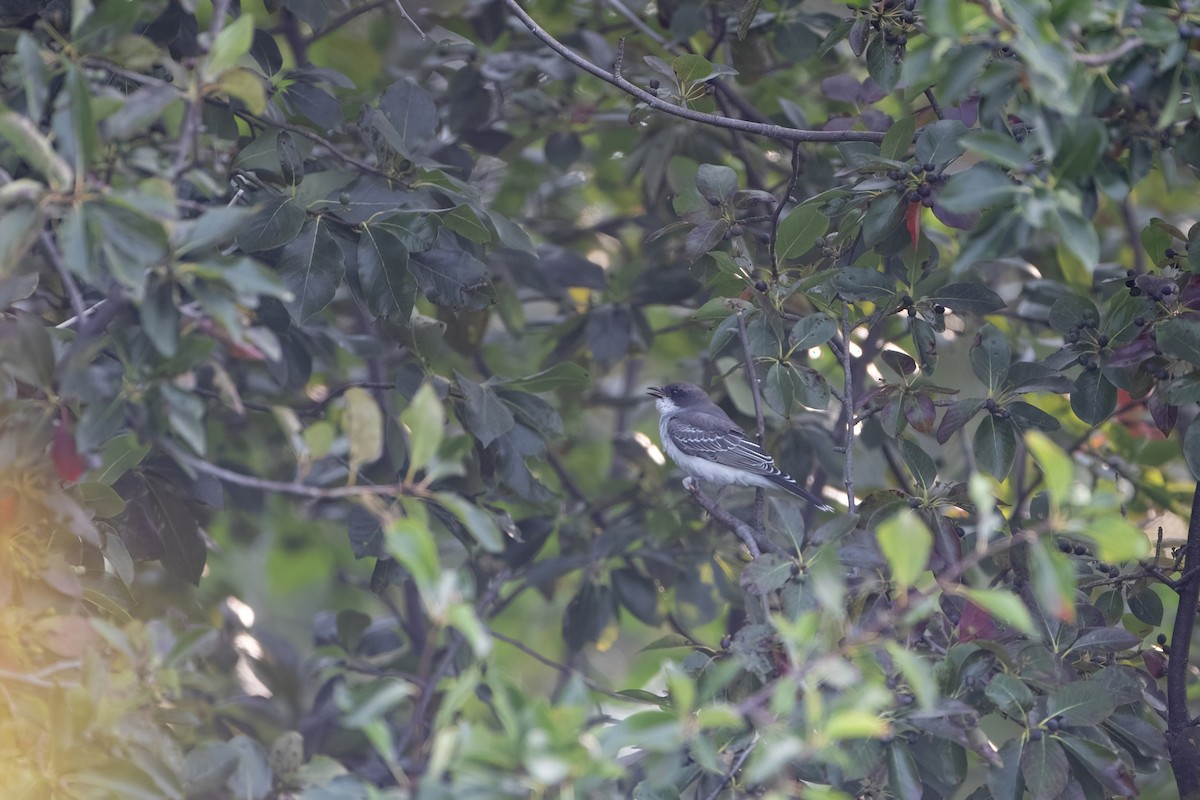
{"x":675,"y":396}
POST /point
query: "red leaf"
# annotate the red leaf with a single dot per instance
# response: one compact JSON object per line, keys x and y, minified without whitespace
{"x":1156,"y":663}
{"x":975,"y":623}
{"x":67,"y":461}
{"x":912,"y":220}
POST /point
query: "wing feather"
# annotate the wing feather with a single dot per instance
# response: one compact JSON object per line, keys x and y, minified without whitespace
{"x":722,"y":443}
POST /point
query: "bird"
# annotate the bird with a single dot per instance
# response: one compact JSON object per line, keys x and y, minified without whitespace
{"x":701,"y":438}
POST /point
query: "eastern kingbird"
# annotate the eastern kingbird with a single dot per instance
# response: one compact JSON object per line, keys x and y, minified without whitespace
{"x":709,"y":446}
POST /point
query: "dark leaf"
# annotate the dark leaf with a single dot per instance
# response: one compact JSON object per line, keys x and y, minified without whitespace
{"x":967,"y":298}
{"x":1045,"y":769}
{"x":995,"y":445}
{"x":919,"y":411}
{"x":1030,"y":416}
{"x":1081,"y":704}
{"x":486,"y":416}
{"x":452,"y":277}
{"x":388,"y":286}
{"x":1180,"y":337}
{"x":312,"y":268}
{"x":938,"y":143}
{"x":956,"y":415}
{"x":919,"y":463}
{"x":990,"y":356}
{"x":412,"y":118}
{"x":1094,"y":397}
{"x":1147,"y":606}
{"x":273,"y":225}
{"x":899,"y":361}
{"x":637,"y":593}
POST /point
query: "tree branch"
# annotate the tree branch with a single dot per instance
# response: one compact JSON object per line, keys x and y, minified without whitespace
{"x":1182,"y":743}
{"x":783,"y":201}
{"x":68,"y":280}
{"x":848,"y":406}
{"x":756,"y":128}
{"x":756,"y":393}
{"x":285,"y":487}
{"x":754,"y":543}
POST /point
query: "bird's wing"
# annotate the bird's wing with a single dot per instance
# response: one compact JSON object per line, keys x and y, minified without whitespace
{"x":720,"y":441}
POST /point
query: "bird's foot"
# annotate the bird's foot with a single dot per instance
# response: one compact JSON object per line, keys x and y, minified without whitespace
{"x":691,"y":485}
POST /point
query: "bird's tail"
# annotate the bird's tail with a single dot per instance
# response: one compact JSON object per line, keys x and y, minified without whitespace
{"x":787,"y":483}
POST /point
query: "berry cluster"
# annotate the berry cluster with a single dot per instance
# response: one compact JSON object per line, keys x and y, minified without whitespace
{"x":895,"y":20}
{"x":917,"y":182}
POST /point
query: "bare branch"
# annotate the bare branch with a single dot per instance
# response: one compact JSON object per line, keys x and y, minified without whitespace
{"x":848,"y":406}
{"x":757,"y":128}
{"x":68,"y":279}
{"x":933,"y":104}
{"x":732,"y":771}
{"x":562,"y":668}
{"x":739,"y":528}
{"x":783,"y":201}
{"x":1101,"y":59}
{"x":285,"y":487}
{"x":756,"y":393}
{"x":410,"y":20}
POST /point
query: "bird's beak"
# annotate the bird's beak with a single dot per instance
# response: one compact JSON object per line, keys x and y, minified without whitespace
{"x":654,"y":391}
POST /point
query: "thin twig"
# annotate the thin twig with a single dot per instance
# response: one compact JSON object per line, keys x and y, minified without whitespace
{"x":410,"y":20}
{"x":286,"y":487}
{"x":316,"y":139}
{"x":756,"y":393}
{"x":68,"y":280}
{"x":756,"y":128}
{"x":740,"y":529}
{"x":1101,"y":59}
{"x":732,"y":771}
{"x":638,"y":23}
{"x":561,"y":668}
{"x":429,"y":687}
{"x":349,"y":16}
{"x":1129,"y":222}
{"x":189,"y":133}
{"x":848,"y":406}
{"x":783,"y":201}
{"x":933,"y":104}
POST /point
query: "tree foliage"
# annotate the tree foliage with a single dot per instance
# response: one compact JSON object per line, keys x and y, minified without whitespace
{"x":324,"y":332}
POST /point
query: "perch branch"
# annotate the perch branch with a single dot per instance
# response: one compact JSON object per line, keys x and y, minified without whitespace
{"x":757,"y":128}
{"x":1182,"y":743}
{"x":848,"y":406}
{"x":756,"y":393}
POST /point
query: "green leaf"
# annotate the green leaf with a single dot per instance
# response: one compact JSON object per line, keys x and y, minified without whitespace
{"x":121,"y":454}
{"x":716,"y":183}
{"x":1057,"y":468}
{"x":905,"y":542}
{"x":857,"y":284}
{"x":1045,"y":769}
{"x":424,"y":421}
{"x":938,"y":142}
{"x":919,"y":463}
{"x":995,"y":445}
{"x":766,"y":573}
{"x":1147,"y":606}
{"x":1004,"y":606}
{"x":1081,"y":703}
{"x":486,"y":417}
{"x":882,"y":65}
{"x":27,"y":143}
{"x":160,"y":317}
{"x":1086,"y":138}
{"x":999,"y":148}
{"x":463,"y":617}
{"x":956,"y":415}
{"x":898,"y":138}
{"x":1179,"y":337}
{"x":409,"y":541}
{"x":798,"y":231}
{"x":1115,"y":538}
{"x":272,"y":225}
{"x":410,"y":117}
{"x":990,"y":356}
{"x":312,"y":269}
{"x":566,"y":374}
{"x":363,"y":424}
{"x":1053,"y":578}
{"x":637,"y":593}
{"x":1078,"y":235}
{"x":478,"y":522}
{"x":904,"y":777}
{"x":813,"y":330}
{"x":967,"y":298}
{"x":1010,"y":694}
{"x":1094,"y":397}
{"x":388,"y":286}
{"x":227,"y":49}
{"x":466,"y":223}
{"x":1069,"y":311}
{"x":977,"y":188}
